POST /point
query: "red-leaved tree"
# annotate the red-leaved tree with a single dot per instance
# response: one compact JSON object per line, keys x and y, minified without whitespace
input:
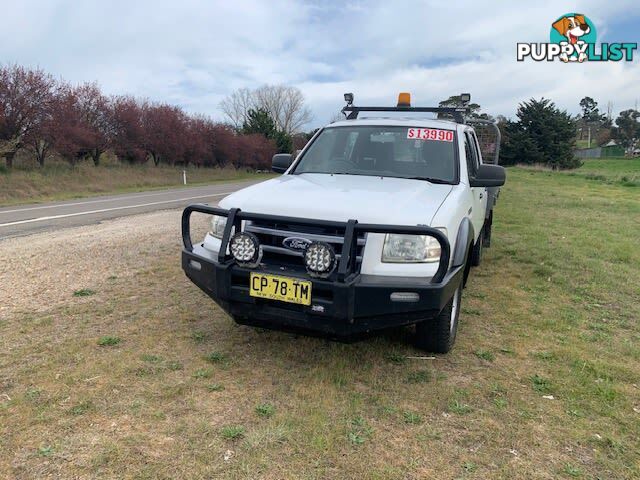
{"x":95,"y":112}
{"x":200,"y":139}
{"x":128,"y":137}
{"x":25,"y":100}
{"x":80,"y":122}
{"x":164,"y":128}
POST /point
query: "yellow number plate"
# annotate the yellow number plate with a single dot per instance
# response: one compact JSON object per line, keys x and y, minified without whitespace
{"x":284,"y":289}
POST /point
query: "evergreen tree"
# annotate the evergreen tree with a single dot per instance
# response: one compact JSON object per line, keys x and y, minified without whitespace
{"x":627,"y":129}
{"x":543,"y":134}
{"x":259,"y":121}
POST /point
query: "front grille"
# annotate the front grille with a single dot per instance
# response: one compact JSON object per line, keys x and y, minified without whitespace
{"x":272,"y":234}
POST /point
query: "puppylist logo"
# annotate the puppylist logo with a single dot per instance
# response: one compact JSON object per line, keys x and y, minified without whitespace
{"x":573,"y":39}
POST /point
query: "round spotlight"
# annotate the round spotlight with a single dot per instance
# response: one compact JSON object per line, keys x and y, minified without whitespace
{"x":319,"y":258}
{"x":245,"y":248}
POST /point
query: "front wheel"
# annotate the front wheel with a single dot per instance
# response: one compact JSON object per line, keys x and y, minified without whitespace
{"x":439,"y":334}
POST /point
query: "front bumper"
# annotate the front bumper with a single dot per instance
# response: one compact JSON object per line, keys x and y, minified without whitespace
{"x":350,"y":304}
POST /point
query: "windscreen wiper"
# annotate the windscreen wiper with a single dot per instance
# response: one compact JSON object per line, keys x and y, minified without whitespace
{"x":439,"y":181}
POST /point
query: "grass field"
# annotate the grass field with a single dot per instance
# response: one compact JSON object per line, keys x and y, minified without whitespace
{"x":625,"y":171}
{"x":140,"y":375}
{"x":62,"y":182}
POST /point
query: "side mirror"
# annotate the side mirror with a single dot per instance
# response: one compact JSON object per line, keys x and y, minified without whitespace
{"x":489,"y":176}
{"x":281,"y":161}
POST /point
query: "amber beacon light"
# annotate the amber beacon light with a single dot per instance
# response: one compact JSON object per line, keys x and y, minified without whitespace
{"x":404,"y":99}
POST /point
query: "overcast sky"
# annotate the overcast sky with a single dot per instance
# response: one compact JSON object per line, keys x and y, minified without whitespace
{"x":193,"y":53}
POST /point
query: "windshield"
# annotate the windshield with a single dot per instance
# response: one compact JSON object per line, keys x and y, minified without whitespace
{"x":384,"y":151}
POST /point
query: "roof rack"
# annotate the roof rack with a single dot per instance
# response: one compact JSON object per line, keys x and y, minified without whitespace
{"x":351,"y":112}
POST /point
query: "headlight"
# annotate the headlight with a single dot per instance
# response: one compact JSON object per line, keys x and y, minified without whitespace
{"x":217,"y":226}
{"x":411,"y":248}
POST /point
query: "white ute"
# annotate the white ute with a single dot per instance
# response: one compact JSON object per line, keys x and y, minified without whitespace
{"x":375,"y":224}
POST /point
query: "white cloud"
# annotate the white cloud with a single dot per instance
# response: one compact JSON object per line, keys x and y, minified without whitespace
{"x":193,"y":53}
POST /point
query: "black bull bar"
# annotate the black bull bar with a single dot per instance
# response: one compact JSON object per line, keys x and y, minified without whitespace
{"x":347,"y":263}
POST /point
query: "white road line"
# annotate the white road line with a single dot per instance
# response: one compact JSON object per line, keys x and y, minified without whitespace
{"x":89,"y":212}
{"x":62,"y":205}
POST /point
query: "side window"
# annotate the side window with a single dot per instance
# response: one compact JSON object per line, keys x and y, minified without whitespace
{"x":471,"y":154}
{"x":476,"y":142}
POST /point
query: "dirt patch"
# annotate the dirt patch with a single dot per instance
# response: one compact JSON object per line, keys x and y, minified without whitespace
{"x":45,"y":270}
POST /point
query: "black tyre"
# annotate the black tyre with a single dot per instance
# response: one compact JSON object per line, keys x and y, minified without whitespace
{"x":487,"y":231}
{"x":476,"y":253}
{"x":439,"y":334}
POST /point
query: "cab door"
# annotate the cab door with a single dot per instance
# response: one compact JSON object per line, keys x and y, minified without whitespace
{"x":479,"y":194}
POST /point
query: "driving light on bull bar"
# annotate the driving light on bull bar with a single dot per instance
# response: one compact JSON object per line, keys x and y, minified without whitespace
{"x":319,"y":258}
{"x":245,"y":248}
{"x":400,"y":248}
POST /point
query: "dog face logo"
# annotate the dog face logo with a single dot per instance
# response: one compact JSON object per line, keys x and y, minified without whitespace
{"x":573,"y":29}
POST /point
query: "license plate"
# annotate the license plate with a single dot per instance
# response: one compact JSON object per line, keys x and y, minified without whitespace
{"x":283,"y":289}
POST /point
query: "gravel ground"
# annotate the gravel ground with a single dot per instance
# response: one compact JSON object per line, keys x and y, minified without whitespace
{"x":41,"y":271}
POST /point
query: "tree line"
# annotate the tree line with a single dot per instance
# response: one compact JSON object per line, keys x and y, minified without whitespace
{"x":544,"y":134}
{"x":42,"y":116}
{"x":625,"y":131}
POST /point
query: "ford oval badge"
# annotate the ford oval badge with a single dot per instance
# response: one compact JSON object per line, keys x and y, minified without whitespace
{"x":296,"y":243}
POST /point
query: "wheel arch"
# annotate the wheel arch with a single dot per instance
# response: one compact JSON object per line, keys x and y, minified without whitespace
{"x":464,"y":241}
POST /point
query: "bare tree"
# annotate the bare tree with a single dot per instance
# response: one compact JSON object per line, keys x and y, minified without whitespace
{"x":236,"y":106}
{"x":284,"y":104}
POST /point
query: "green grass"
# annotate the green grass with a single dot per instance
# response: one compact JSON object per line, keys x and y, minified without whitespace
{"x":419,"y":376}
{"x":540,"y":384}
{"x":62,"y":182}
{"x":216,"y":357}
{"x":469,"y":467}
{"x":553,"y":310}
{"x":623,"y":171}
{"x":45,"y":451}
{"x":108,"y":341}
{"x":459,"y":407}
{"x":84,"y":292}
{"x":412,"y":418}
{"x":485,"y":355}
{"x":81,"y":408}
{"x":203,"y":373}
{"x":611,"y":171}
{"x":265,"y":410}
{"x":359,"y":431}
{"x":232,"y":432}
{"x":175,"y":366}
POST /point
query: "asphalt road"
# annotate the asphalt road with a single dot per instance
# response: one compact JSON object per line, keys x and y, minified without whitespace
{"x":27,"y":219}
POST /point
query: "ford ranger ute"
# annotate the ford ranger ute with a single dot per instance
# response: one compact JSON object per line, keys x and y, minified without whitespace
{"x":375,"y":224}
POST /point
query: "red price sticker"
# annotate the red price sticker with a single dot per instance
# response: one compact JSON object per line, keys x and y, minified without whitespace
{"x":430,"y":134}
